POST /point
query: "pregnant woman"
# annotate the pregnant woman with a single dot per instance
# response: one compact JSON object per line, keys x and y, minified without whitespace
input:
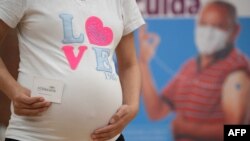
{"x":68,"y":88}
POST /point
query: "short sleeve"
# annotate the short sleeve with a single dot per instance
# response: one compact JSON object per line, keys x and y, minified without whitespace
{"x":11,"y":11}
{"x":169,"y":91}
{"x":131,"y":15}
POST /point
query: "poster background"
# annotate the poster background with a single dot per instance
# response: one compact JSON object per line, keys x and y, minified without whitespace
{"x":176,"y":46}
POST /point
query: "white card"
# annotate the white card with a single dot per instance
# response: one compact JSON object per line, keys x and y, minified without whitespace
{"x":51,"y":90}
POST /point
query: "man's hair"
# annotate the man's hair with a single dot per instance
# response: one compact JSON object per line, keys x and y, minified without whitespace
{"x":231,"y":9}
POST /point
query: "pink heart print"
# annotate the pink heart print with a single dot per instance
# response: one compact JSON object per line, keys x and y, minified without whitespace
{"x":97,"y":33}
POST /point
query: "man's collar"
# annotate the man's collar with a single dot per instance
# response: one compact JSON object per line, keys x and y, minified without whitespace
{"x":222,"y":54}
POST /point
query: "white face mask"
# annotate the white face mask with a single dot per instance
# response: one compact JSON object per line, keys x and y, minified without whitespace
{"x":210,"y":40}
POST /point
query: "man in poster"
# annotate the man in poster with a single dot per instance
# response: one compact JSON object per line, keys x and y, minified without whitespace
{"x":210,"y":90}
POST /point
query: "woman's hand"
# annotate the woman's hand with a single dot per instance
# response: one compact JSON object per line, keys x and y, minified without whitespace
{"x":117,"y":123}
{"x":25,"y":105}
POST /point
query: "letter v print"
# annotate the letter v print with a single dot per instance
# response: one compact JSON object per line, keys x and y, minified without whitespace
{"x":72,"y":59}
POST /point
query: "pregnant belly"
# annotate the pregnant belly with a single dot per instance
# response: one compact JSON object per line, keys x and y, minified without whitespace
{"x":87,"y":104}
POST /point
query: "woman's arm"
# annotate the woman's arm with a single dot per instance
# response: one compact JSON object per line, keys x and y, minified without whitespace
{"x":23,"y":103}
{"x":130,"y":81}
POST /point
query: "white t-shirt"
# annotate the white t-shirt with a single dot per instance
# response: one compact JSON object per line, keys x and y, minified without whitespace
{"x":72,"y":41}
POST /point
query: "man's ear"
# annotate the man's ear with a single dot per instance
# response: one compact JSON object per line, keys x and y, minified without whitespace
{"x":235,"y":32}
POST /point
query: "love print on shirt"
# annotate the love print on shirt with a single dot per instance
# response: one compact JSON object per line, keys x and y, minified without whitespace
{"x":98,"y":34}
